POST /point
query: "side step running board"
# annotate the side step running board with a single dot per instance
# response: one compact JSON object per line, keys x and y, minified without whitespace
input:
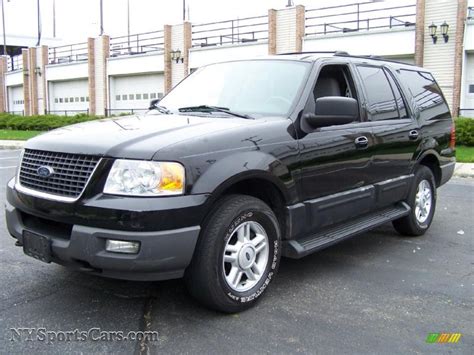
{"x":298,"y":248}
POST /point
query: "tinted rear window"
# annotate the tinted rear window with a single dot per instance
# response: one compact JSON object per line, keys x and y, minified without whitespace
{"x":426,"y":95}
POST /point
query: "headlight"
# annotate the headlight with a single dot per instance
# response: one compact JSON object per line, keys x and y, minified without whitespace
{"x":145,"y":178}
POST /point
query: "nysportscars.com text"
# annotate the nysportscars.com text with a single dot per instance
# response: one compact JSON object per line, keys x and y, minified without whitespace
{"x":93,"y":334}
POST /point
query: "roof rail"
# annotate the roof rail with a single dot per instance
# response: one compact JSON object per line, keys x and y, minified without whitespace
{"x":373,"y":57}
{"x":316,"y":52}
{"x":346,"y":54}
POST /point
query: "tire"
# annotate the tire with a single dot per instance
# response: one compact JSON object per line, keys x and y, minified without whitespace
{"x":245,"y":231}
{"x":419,"y":219}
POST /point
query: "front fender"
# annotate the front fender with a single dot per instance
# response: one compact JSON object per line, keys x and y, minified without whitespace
{"x":245,"y":165}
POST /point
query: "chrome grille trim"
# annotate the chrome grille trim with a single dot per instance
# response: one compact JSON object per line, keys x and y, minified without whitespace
{"x":72,"y":174}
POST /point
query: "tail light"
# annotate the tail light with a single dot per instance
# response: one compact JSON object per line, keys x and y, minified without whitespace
{"x":452,"y":137}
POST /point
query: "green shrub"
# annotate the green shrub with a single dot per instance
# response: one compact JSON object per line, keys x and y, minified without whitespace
{"x":40,"y":122}
{"x":465,"y":131}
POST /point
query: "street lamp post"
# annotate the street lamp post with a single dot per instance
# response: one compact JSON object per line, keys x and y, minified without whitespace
{"x":101,"y":18}
{"x":128,"y":24}
{"x":39,"y":22}
{"x":4,"y":34}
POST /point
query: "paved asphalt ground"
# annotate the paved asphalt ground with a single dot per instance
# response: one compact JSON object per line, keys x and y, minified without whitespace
{"x":377,"y":293}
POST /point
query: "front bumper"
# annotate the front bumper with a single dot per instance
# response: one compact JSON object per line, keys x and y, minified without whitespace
{"x":164,"y":254}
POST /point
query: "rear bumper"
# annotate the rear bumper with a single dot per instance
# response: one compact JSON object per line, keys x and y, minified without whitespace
{"x":447,"y":172}
{"x":163,"y":254}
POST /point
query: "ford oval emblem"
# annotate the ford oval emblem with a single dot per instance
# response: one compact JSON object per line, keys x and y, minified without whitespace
{"x":45,"y":171}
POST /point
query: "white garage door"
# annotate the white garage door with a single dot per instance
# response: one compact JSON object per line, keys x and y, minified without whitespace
{"x":69,"y":97}
{"x":16,"y":103}
{"x":467,"y":100}
{"x":134,"y":92}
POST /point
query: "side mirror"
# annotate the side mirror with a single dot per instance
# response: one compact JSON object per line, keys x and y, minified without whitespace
{"x":333,"y":110}
{"x":153,"y":103}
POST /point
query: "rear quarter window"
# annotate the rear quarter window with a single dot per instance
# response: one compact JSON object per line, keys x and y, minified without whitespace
{"x":426,"y":96}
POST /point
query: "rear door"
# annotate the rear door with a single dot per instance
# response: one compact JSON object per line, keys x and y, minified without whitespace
{"x":395,"y":130}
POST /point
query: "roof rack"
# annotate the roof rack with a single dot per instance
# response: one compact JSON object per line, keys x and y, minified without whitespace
{"x":346,"y":54}
{"x":316,"y":52}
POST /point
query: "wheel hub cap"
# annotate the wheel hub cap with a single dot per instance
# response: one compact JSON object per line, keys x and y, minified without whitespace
{"x":246,"y":256}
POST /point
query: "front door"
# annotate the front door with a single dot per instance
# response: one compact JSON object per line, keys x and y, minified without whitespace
{"x":336,"y":160}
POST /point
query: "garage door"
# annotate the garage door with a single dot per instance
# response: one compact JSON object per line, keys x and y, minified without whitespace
{"x":16,"y":104}
{"x":467,"y":100}
{"x":134,"y":92}
{"x":69,"y":97}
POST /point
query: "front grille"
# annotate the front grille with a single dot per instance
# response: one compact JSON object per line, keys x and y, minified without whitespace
{"x":71,"y":172}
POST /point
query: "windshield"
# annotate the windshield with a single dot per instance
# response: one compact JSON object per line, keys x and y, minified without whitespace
{"x":257,"y":87}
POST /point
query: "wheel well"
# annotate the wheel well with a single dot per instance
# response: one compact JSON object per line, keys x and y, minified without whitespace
{"x":431,"y":162}
{"x":265,"y":191}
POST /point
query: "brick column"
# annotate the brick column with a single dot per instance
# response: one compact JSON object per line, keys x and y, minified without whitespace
{"x":3,"y":88}
{"x":187,"y":44}
{"x":167,"y":57}
{"x":300,"y":27}
{"x":458,"y":55}
{"x":32,"y":69}
{"x":26,"y":81}
{"x":272,"y":21}
{"x":91,"y":73}
{"x":419,"y":32}
{"x":40,"y":77}
{"x":286,"y":30}
{"x":176,"y":38}
{"x":98,"y":53}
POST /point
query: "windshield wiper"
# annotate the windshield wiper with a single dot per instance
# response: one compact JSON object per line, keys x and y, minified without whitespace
{"x":207,"y":108}
{"x":161,"y":109}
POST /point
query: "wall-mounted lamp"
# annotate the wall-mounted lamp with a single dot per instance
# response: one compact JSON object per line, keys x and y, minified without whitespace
{"x":444,"y":28}
{"x":38,"y":71}
{"x":176,"y":56}
{"x":444,"y":31}
{"x":433,"y":29}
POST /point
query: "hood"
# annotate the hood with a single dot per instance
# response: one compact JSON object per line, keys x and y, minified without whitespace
{"x":133,"y":137}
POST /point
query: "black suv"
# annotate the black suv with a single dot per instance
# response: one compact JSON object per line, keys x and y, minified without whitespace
{"x":242,"y":163}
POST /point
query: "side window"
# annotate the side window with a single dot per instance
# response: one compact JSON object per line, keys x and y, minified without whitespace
{"x":426,"y":95}
{"x":334,"y":80}
{"x":402,"y":110}
{"x":381,"y":104}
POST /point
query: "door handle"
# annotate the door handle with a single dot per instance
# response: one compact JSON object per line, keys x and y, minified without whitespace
{"x":413,"y":135}
{"x":361,"y":142}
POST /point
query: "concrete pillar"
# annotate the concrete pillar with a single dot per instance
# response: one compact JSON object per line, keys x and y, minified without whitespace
{"x":3,"y":88}
{"x":26,"y":81}
{"x":419,"y":32}
{"x":98,"y":53}
{"x":176,"y":38}
{"x":286,"y":30}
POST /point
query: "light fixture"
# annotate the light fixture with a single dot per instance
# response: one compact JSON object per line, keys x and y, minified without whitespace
{"x":122,"y":246}
{"x":433,"y":29}
{"x":444,"y":31}
{"x":38,"y":71}
{"x":176,"y":56}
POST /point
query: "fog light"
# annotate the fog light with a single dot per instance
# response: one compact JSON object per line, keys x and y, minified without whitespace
{"x":121,"y":246}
